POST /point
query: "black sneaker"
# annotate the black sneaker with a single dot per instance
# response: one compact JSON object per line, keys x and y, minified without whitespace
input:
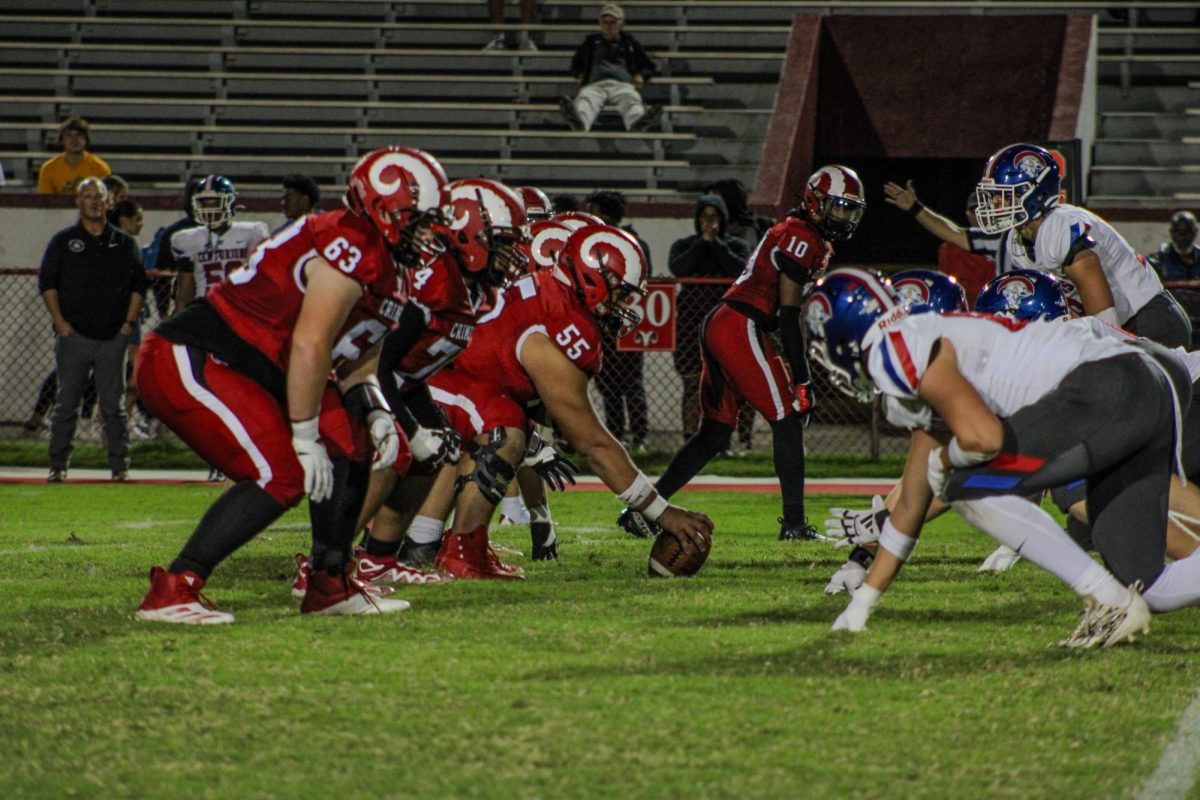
{"x":57,"y":475}
{"x":120,"y":475}
{"x":567,"y":106}
{"x":545,"y":543}
{"x":636,"y":524}
{"x":416,"y":555}
{"x":797,"y":531}
{"x":647,"y":121}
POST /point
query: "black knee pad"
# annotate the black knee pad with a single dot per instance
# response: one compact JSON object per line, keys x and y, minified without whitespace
{"x":492,"y":473}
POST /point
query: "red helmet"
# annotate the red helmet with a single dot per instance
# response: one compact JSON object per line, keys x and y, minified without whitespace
{"x":537,"y":204}
{"x":398,"y":188}
{"x":487,"y":221}
{"x":546,"y":240}
{"x":577,"y":219}
{"x":833,"y":200}
{"x":608,"y":270}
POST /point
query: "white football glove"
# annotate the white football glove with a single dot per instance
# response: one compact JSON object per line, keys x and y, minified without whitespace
{"x":1001,"y":560}
{"x":435,"y":446}
{"x":937,"y":472}
{"x":848,"y":578}
{"x":847,"y":527}
{"x":854,"y":618}
{"x":383,"y":434}
{"x":318,"y":469}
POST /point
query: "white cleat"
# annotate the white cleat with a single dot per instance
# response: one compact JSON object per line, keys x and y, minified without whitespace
{"x":1001,"y":559}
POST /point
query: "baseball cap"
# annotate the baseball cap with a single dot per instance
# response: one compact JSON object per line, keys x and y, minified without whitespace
{"x":612,"y":10}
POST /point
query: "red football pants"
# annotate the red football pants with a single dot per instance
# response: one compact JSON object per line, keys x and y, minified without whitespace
{"x":741,"y":366}
{"x":472,"y":406}
{"x":235,"y":424}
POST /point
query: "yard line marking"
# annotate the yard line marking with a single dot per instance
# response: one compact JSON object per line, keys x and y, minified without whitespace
{"x":1176,"y":772}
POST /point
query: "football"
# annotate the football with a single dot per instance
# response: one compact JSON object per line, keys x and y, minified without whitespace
{"x":677,"y":556}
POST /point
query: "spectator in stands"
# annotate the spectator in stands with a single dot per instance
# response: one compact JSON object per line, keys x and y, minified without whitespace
{"x":300,"y":196}
{"x":93,"y":285}
{"x":710,"y":253}
{"x":118,"y":188}
{"x":565,"y":202}
{"x":610,"y":66}
{"x":620,"y":381}
{"x":1179,"y":259}
{"x":504,"y":40}
{"x":62,"y":174}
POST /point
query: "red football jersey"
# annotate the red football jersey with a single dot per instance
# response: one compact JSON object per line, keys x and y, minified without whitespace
{"x":451,"y":308}
{"x":261,"y":300}
{"x":537,"y":303}
{"x":793,"y":247}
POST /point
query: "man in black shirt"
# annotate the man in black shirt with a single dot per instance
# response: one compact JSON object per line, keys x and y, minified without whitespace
{"x":93,"y":285}
{"x":610,"y":66}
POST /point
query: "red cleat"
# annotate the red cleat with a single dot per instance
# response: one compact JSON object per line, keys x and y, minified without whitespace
{"x":177,"y":598}
{"x":300,"y":584}
{"x":344,"y":594}
{"x":468,"y":556}
{"x":388,"y":571}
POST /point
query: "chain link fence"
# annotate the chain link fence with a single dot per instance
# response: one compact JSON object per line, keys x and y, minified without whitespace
{"x":646,"y":398}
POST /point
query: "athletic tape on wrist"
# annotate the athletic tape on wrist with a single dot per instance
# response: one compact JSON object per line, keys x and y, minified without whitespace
{"x":653,"y":511}
{"x":965,"y":458}
{"x":866,"y":595}
{"x":637,"y":492}
{"x":306,"y":430}
{"x":895,"y":542}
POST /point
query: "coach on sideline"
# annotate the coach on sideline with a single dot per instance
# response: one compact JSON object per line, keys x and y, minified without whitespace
{"x":93,"y":285}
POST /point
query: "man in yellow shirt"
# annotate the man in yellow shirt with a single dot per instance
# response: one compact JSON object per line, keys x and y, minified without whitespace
{"x":62,"y":174}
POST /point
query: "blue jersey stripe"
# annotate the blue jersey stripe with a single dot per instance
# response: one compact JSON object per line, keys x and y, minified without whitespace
{"x":897,"y":377}
{"x":986,"y":481}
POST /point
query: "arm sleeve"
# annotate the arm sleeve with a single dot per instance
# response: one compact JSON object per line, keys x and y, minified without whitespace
{"x":400,"y":340}
{"x":792,"y":334}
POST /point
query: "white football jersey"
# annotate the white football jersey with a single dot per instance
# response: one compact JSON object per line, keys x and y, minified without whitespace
{"x":1131,"y":279}
{"x":1010,"y":364}
{"x":212,"y":256}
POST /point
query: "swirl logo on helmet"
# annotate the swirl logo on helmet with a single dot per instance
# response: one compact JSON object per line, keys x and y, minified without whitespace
{"x":428,"y":185}
{"x":547,"y":243}
{"x":1014,"y":290}
{"x":498,"y":211}
{"x":912,"y":291}
{"x":592,"y":251}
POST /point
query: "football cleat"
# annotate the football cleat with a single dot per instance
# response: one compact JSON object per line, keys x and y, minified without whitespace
{"x":215,"y":476}
{"x":387,"y":571}
{"x":177,"y":598}
{"x":797,"y":531}
{"x":420,"y":555}
{"x":300,"y":584}
{"x":57,"y":475}
{"x":467,"y":556}
{"x":1001,"y":559}
{"x":545,"y":543}
{"x":335,"y":595}
{"x":636,"y":524}
{"x":1105,"y":626}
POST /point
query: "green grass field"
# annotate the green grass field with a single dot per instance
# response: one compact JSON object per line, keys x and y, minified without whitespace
{"x":587,"y":680}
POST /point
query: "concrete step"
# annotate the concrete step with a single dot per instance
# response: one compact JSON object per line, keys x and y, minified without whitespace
{"x":1131,"y":180}
{"x":1147,"y":98}
{"x":1147,"y":152}
{"x":1147,"y":125}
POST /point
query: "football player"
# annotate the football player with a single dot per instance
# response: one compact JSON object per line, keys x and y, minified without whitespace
{"x":741,"y":365}
{"x":1017,"y":430}
{"x":1025,"y":225}
{"x":242,"y":376}
{"x":205,"y":255}
{"x":445,"y":297}
{"x":541,"y":342}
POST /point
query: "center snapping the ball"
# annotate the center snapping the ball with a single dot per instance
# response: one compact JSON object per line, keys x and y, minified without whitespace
{"x":678,"y":556}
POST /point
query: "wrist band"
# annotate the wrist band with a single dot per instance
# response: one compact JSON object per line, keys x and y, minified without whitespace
{"x":895,"y":542}
{"x":653,"y":511}
{"x":306,"y":429}
{"x":917,"y":208}
{"x":965,"y":458}
{"x":637,"y":492}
